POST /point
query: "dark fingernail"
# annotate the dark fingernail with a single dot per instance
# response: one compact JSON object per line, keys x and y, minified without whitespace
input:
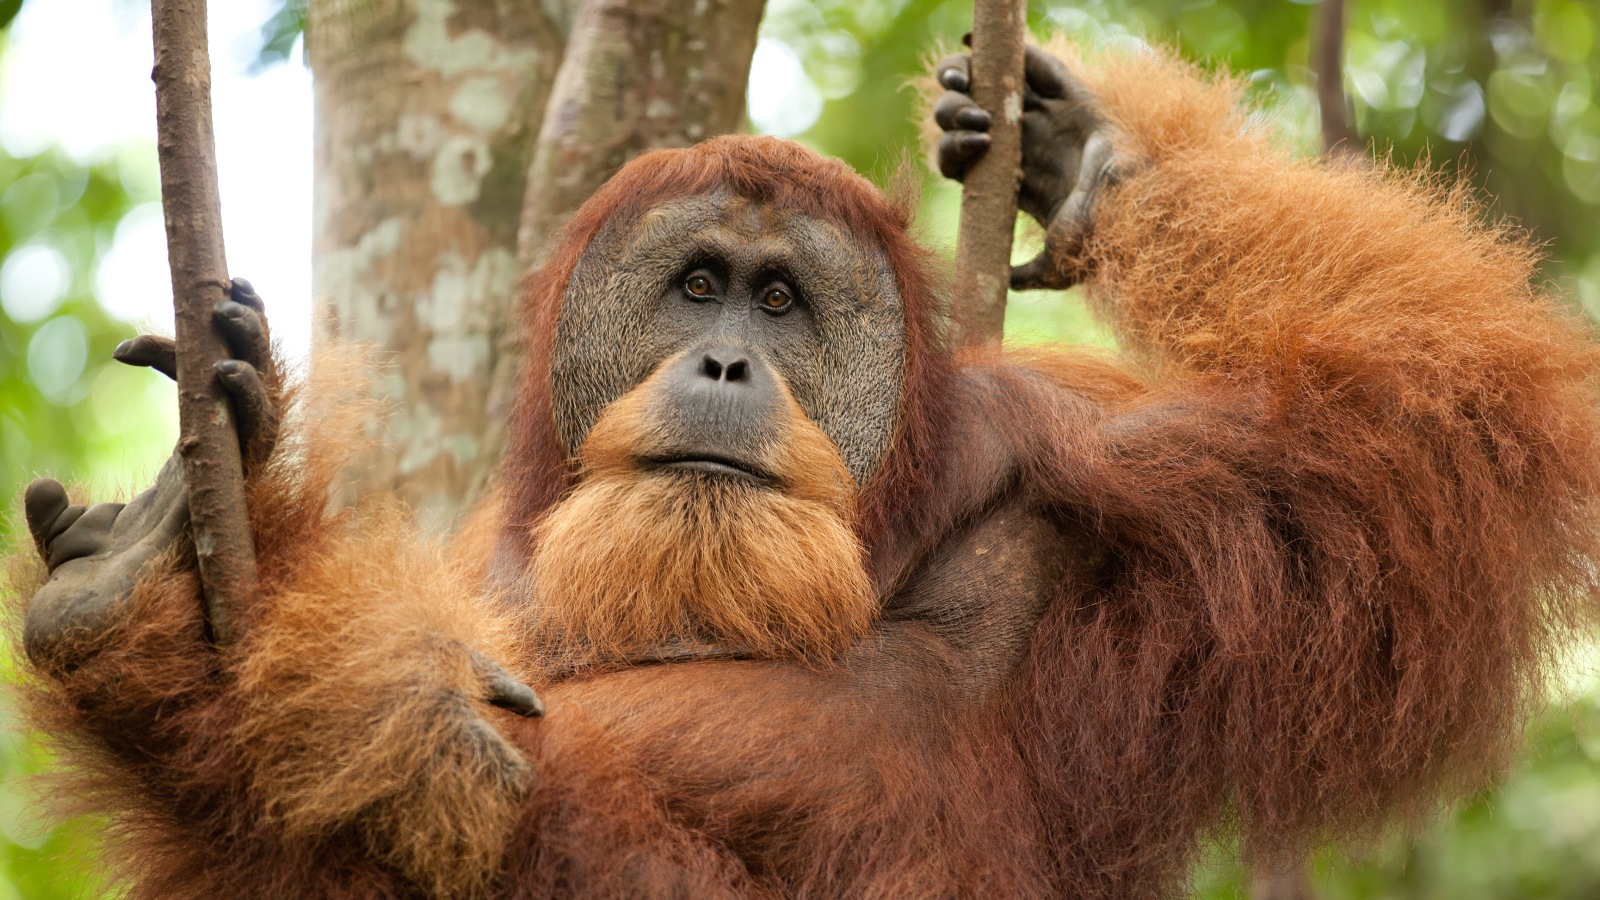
{"x":229,"y":366}
{"x":519,"y":698}
{"x":122,"y":349}
{"x":973,"y":118}
{"x":967,"y":39}
{"x":231,"y":309}
{"x":243,"y":286}
{"x":954,"y":79}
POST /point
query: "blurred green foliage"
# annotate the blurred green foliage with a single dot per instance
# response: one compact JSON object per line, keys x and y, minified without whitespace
{"x":277,"y":35}
{"x":1506,"y":92}
{"x":65,"y":410}
{"x":1537,"y":835}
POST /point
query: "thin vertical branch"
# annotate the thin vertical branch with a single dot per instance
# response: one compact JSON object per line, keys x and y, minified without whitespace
{"x":989,"y":193}
{"x":212,"y":467}
{"x":1338,"y":134}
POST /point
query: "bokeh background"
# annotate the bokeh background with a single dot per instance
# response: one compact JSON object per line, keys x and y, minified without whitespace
{"x":1503,"y":92}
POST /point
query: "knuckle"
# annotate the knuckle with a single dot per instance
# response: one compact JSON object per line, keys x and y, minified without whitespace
{"x":67,"y":621}
{"x":238,"y":314}
{"x":238,"y":372}
{"x":244,"y":292}
{"x":948,"y":112}
{"x":61,"y":523}
{"x":952,"y":74}
{"x":972,"y":118}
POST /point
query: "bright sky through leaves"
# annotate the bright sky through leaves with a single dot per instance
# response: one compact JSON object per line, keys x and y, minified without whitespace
{"x":97,"y":99}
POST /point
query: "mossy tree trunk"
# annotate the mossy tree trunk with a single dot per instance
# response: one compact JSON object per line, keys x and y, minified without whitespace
{"x":433,"y":147}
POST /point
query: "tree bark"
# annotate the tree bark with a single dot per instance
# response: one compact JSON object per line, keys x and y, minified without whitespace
{"x":1338,"y":132}
{"x":637,"y":75}
{"x":426,"y":111}
{"x":212,"y":466}
{"x":989,"y":190}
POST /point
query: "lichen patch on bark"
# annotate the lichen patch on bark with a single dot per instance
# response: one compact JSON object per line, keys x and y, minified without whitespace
{"x":405,"y":260}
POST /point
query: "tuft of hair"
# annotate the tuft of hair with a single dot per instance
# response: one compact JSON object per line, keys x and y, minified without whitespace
{"x":637,"y":559}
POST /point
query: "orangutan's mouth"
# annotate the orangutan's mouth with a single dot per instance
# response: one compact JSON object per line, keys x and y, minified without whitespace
{"x":710,"y":464}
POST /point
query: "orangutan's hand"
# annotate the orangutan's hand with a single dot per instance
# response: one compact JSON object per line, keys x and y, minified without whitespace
{"x":94,"y":554}
{"x":1067,"y":155}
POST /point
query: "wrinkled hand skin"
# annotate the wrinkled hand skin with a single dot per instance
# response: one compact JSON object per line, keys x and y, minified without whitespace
{"x":95,"y":554}
{"x":1068,"y":156}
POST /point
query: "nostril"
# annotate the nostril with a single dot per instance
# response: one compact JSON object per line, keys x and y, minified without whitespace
{"x":726,"y":364}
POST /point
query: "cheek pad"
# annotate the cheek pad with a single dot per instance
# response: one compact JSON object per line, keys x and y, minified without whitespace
{"x":608,"y":335}
{"x":854,"y":387}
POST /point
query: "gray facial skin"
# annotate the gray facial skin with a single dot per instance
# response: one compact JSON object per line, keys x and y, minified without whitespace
{"x":840,"y":346}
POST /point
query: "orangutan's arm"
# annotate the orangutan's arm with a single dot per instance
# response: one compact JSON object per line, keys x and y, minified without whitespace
{"x":344,"y":742}
{"x":1349,"y":494}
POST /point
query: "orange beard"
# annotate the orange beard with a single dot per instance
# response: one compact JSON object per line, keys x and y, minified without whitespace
{"x":638,"y":563}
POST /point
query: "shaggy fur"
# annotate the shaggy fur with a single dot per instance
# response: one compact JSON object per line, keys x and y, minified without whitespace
{"x":1344,"y":495}
{"x":1352,"y":501}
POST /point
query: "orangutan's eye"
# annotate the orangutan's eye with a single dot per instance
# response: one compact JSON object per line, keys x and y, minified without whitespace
{"x":698,"y":286}
{"x":776,"y":300}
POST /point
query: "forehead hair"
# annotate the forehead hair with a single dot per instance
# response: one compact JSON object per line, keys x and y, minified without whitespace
{"x":781,"y":175}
